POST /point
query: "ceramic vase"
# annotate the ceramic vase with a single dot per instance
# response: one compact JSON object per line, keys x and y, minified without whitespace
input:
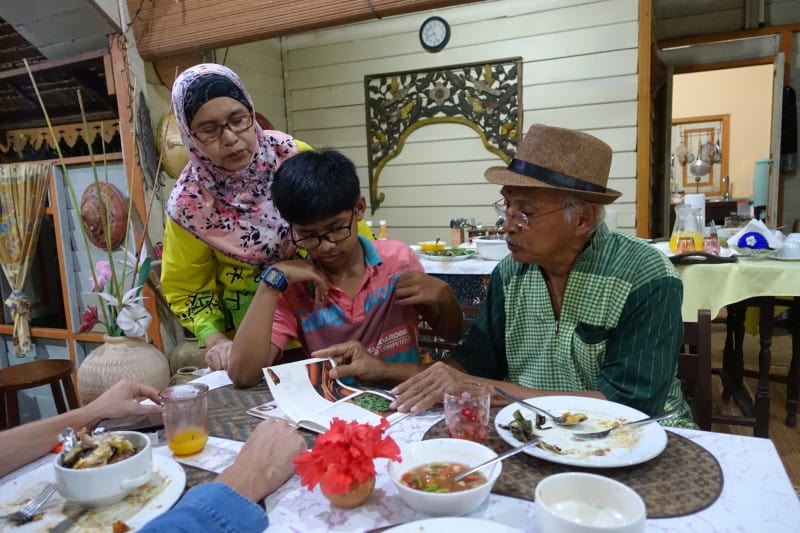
{"x":117,"y":358}
{"x":358,"y":494}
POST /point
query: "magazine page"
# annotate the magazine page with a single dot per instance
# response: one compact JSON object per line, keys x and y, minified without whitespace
{"x":308,"y":395}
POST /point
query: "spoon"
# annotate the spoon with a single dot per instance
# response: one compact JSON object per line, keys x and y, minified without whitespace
{"x":556,"y":419}
{"x":509,"y":453}
{"x":605,"y":432}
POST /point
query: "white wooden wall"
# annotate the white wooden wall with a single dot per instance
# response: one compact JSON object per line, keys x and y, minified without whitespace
{"x":580,"y":64}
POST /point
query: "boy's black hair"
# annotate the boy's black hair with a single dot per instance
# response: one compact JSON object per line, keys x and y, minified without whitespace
{"x":311,"y":186}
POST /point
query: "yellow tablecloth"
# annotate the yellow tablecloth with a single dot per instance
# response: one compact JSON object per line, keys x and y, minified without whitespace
{"x":715,"y":286}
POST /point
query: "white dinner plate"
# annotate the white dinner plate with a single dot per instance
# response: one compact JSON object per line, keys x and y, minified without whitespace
{"x":28,"y":485}
{"x":447,"y":258}
{"x":623,"y":447}
{"x":452,"y":523}
{"x":779,"y":258}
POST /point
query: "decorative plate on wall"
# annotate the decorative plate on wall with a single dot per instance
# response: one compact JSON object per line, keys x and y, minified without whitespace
{"x":94,"y":207}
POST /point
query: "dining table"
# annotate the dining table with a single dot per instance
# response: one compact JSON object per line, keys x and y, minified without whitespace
{"x":741,"y":481}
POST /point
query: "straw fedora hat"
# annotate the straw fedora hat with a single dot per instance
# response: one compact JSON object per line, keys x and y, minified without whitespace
{"x":559,"y":159}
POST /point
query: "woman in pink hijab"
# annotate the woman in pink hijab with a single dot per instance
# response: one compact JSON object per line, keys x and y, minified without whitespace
{"x":222,"y":228}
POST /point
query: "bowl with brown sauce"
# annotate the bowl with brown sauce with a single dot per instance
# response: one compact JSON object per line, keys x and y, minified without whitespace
{"x":425,"y":476}
{"x":103,"y":469}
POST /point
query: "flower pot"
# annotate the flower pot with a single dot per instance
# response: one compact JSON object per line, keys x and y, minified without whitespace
{"x":358,"y":494}
{"x":117,"y":358}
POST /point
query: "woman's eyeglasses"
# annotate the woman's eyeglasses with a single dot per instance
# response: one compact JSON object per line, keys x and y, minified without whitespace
{"x":333,"y":235}
{"x":516,"y":217}
{"x":212,"y":132}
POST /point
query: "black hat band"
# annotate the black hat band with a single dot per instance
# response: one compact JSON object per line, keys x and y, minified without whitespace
{"x":552,"y":177}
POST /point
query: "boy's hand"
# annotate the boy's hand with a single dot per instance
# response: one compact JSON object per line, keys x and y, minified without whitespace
{"x":218,"y":355}
{"x":352,"y":359}
{"x":415,"y":288}
{"x":300,"y":270}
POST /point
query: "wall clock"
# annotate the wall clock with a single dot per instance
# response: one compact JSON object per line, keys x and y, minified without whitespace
{"x":434,"y":34}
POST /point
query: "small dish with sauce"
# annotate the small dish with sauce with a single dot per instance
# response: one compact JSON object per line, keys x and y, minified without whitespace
{"x":432,"y":495}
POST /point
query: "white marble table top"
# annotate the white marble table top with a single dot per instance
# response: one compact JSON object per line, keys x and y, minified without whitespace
{"x":757,"y":494}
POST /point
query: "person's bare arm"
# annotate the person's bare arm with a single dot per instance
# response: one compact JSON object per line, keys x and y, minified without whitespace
{"x":435,"y":300}
{"x":352,"y":359}
{"x":252,"y":348}
{"x":425,"y":389}
{"x":265,"y":461}
{"x":23,"y":444}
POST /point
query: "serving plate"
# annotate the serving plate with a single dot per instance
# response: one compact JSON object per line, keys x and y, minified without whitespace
{"x":451,"y":523}
{"x":624,"y":447}
{"x":168,"y":479}
{"x":779,"y":258}
{"x":447,"y":258}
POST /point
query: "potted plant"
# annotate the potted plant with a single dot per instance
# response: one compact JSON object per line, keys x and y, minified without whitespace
{"x":342,"y":461}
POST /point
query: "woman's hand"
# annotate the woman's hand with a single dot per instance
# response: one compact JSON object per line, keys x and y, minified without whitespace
{"x":218,"y":351}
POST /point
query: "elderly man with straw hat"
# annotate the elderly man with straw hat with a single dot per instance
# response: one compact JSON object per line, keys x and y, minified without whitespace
{"x":575,"y":308}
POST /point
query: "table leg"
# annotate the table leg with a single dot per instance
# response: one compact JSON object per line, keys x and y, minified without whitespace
{"x":793,"y":378}
{"x":765,"y":327}
{"x":733,"y":352}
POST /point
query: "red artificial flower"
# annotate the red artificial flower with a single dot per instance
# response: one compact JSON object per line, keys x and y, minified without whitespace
{"x":90,"y":318}
{"x":345,"y":455}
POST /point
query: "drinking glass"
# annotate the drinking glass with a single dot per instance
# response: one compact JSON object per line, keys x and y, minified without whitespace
{"x":185,"y":412}
{"x":466,"y":411}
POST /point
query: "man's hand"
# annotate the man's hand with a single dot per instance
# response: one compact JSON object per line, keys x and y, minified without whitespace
{"x":415,"y":288}
{"x":122,"y":400}
{"x":425,"y":389}
{"x":265,"y":461}
{"x":352,"y":359}
{"x":218,"y":354}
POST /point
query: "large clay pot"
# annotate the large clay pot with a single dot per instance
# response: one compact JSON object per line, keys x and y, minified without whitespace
{"x":358,"y":494}
{"x":117,"y":358}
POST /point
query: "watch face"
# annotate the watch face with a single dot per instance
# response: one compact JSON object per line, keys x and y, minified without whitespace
{"x":434,"y":34}
{"x":273,"y":277}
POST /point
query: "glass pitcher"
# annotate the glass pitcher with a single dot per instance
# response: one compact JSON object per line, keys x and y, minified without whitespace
{"x":686,"y":233}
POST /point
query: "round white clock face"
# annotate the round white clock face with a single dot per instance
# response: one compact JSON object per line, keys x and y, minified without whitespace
{"x":434,"y":34}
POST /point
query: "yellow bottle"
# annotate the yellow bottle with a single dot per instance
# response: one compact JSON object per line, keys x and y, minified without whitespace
{"x":382,"y":233}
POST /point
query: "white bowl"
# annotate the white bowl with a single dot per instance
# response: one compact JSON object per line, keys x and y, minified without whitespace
{"x":492,"y":249}
{"x":445,"y":450}
{"x":577,"y":502}
{"x":790,"y":250}
{"x":104,"y":485}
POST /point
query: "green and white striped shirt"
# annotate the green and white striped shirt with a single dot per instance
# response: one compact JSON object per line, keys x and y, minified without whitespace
{"x":619,"y":331}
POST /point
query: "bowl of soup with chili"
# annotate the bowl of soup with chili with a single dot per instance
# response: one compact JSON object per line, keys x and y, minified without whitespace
{"x":424,"y":476}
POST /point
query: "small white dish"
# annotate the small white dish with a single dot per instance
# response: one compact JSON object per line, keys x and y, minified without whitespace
{"x":577,"y":502}
{"x":445,"y":450}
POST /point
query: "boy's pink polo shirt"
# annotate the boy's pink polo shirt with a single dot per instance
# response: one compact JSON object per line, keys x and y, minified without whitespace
{"x":387,"y":330}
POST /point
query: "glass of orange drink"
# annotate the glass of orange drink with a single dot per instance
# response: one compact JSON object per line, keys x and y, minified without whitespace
{"x":185,"y":411}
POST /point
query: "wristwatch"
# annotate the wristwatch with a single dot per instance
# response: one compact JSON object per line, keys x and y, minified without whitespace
{"x":275,"y":278}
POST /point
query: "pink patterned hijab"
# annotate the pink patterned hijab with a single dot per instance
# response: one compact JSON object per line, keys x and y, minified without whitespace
{"x":232,"y":212}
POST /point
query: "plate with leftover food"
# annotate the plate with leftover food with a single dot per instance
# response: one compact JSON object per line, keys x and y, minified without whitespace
{"x":142,"y":505}
{"x":624,"y":447}
{"x":449,"y":254}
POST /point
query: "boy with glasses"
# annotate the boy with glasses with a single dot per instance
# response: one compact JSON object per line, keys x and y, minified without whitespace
{"x":354,"y":300}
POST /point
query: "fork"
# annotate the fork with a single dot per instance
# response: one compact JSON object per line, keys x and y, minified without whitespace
{"x":27,"y":513}
{"x":559,"y":421}
{"x":604,"y":433}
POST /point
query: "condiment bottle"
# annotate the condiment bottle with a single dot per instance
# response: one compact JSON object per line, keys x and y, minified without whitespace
{"x":369,"y":225}
{"x":382,"y":233}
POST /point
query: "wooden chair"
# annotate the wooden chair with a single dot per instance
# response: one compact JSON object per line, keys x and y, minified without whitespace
{"x":53,"y":372}
{"x":437,"y":347}
{"x":694,"y":367}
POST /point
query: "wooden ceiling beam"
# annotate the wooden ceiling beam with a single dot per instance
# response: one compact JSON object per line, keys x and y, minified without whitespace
{"x":166,"y":27}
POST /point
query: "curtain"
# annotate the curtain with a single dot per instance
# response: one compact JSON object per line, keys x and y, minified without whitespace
{"x":23,"y":189}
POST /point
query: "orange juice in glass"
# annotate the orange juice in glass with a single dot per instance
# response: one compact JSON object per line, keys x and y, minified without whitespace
{"x":185,"y":412}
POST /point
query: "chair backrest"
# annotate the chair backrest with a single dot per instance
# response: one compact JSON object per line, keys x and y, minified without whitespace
{"x":694,"y":367}
{"x":438,"y":347}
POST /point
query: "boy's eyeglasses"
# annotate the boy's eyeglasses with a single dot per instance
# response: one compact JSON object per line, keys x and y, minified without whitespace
{"x":516,"y":217}
{"x":333,"y":235}
{"x":212,"y":132}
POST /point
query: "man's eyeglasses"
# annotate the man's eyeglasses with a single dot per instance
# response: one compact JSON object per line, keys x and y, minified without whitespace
{"x":333,"y":235}
{"x":212,"y":132}
{"x":516,"y":217}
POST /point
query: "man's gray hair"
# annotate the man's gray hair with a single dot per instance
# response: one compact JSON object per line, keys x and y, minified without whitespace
{"x":572,"y":206}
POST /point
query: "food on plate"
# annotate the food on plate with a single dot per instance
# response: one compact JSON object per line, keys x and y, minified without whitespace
{"x":451,"y":252}
{"x":120,"y":527}
{"x":573,"y":418}
{"x":439,"y":477}
{"x":521,"y":428}
{"x":93,"y":451}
